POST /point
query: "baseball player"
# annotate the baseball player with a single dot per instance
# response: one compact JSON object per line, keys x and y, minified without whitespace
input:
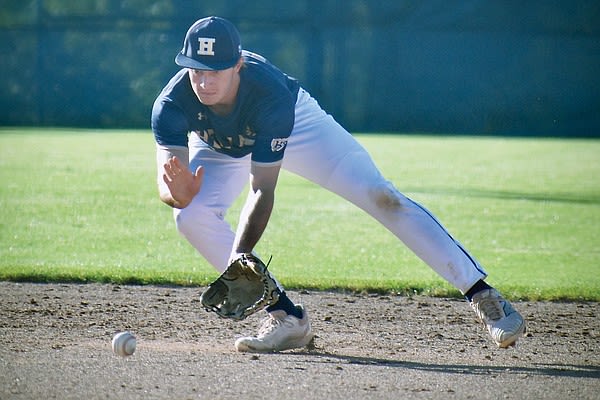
{"x":229,"y":118}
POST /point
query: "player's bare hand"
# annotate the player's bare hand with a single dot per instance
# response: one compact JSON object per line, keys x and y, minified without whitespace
{"x":181,"y":182}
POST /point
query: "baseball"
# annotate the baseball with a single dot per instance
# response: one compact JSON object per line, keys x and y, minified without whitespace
{"x":123,"y":344}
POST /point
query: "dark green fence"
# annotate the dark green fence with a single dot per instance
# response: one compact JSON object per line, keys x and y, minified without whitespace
{"x":481,"y":67}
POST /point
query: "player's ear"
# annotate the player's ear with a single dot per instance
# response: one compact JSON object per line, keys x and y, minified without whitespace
{"x":239,"y":65}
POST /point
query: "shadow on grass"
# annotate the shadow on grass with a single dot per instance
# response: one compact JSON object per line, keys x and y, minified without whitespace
{"x":508,"y":195}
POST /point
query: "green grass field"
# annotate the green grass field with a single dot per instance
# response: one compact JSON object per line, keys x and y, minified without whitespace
{"x":82,"y":206}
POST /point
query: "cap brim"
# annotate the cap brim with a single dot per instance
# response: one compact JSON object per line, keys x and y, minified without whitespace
{"x":184,"y":61}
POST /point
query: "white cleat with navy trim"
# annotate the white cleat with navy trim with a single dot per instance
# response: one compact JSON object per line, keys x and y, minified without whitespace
{"x":279,"y":331}
{"x":504,"y":324}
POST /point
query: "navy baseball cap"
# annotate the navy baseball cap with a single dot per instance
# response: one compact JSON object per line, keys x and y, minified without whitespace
{"x":211,"y":43}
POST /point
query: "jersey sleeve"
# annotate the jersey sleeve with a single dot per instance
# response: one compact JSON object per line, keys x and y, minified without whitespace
{"x":169,"y":124}
{"x":274,"y":125}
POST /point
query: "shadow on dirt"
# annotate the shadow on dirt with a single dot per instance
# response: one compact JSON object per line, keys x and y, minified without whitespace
{"x":555,"y":370}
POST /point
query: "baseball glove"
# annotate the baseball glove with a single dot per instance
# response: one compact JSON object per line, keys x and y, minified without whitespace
{"x":244,"y":288}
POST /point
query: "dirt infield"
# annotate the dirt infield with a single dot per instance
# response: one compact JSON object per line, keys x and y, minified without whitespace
{"x":55,"y":344}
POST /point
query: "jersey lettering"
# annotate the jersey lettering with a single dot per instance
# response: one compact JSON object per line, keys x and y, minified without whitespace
{"x":220,"y":142}
{"x":244,"y":141}
{"x":206,"y":46}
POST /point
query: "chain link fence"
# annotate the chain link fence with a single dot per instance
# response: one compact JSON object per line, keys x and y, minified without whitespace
{"x":472,"y":67}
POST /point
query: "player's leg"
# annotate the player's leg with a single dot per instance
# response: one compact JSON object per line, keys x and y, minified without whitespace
{"x":323,"y":152}
{"x":203,"y":222}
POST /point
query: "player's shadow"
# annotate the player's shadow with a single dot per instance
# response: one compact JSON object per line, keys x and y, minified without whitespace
{"x":555,"y":370}
{"x":508,"y":195}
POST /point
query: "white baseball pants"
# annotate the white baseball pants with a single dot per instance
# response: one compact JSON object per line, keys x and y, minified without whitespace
{"x":322,"y":151}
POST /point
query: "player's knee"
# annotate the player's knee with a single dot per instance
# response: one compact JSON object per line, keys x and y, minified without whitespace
{"x":192,"y":218}
{"x":183,"y":220}
{"x":386,"y":196}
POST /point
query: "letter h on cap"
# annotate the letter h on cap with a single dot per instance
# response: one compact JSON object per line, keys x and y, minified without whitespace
{"x":205,"y":46}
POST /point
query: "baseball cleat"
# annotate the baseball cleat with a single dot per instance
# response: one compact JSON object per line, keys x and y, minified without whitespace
{"x":504,"y":324}
{"x":279,"y":331}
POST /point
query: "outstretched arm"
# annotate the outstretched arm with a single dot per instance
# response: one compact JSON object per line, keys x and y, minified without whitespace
{"x":257,"y":209}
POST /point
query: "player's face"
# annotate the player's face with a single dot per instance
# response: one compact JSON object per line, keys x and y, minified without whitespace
{"x":216,"y":88}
